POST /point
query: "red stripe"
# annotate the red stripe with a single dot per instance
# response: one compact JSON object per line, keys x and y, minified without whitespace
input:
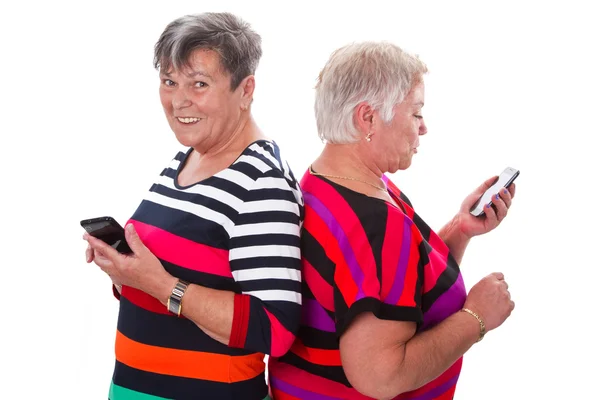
{"x":407,"y":298}
{"x":322,"y":291}
{"x":184,"y":252}
{"x":281,"y":338}
{"x":390,"y":253}
{"x":239,"y":325}
{"x":349,"y":222}
{"x":319,"y":230}
{"x":314,"y":383}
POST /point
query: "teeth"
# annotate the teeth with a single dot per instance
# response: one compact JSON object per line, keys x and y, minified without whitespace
{"x":188,"y":120}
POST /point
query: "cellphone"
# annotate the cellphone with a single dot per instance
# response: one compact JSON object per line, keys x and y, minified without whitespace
{"x":109,"y":231}
{"x":507,"y":177}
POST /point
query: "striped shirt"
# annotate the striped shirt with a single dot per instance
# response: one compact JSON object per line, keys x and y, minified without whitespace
{"x":363,"y":254}
{"x":239,"y":231}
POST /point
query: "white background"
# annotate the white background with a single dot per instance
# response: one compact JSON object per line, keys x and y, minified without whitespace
{"x":83,"y":135}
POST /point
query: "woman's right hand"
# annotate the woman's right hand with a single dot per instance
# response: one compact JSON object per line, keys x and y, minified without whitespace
{"x":490,"y":299}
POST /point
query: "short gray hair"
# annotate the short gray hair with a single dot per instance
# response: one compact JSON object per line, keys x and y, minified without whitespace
{"x":379,"y":73}
{"x":238,"y":46}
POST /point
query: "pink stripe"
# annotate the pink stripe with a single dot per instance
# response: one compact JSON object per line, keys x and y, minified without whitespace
{"x":183,"y":252}
{"x":281,"y":338}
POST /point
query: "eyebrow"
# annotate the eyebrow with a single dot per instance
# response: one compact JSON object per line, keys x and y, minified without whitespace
{"x":191,"y":75}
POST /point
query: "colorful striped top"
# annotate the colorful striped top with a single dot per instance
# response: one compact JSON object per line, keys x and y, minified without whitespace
{"x":362,"y":254}
{"x":239,"y":231}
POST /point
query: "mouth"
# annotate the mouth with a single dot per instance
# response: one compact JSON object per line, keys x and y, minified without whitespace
{"x":187,"y":120}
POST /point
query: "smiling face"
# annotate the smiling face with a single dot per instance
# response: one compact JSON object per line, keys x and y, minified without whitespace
{"x":397,"y":141}
{"x":201,"y":108}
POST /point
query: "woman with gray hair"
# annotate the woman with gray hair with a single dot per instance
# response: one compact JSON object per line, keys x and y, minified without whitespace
{"x":213,"y":280}
{"x":385,"y":310}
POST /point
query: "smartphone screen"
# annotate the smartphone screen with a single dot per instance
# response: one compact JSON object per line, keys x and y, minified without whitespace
{"x":109,"y":231}
{"x":504,"y":180}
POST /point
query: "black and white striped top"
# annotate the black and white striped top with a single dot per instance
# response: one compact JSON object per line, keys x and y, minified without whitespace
{"x":238,"y":230}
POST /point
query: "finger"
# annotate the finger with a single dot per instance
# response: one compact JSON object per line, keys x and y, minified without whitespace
{"x":89,"y":254}
{"x":501,"y":209}
{"x":512,"y":305}
{"x":490,"y":215}
{"x":505,"y":284}
{"x":103,"y":248}
{"x":506,"y":196}
{"x":512,"y":189}
{"x":133,"y":240}
{"x":498,"y":275}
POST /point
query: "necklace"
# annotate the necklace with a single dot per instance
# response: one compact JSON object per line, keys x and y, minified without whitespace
{"x":310,"y":170}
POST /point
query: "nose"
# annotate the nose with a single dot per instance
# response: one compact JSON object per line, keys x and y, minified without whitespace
{"x":422,"y":128}
{"x":181,"y":99}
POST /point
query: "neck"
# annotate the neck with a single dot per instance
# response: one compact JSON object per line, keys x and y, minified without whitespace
{"x":246,"y":132}
{"x":348,"y":160}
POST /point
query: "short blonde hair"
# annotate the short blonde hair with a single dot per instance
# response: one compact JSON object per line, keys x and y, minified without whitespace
{"x":378,"y":73}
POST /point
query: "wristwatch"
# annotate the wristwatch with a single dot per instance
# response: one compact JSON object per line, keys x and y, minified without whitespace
{"x":176,"y":298}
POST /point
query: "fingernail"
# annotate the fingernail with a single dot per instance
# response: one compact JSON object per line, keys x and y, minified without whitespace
{"x":488,"y":206}
{"x":497,"y":196}
{"x":505,"y":191}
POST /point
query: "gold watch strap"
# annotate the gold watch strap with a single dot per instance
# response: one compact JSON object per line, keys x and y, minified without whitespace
{"x":175,"y":300}
{"x":481,"y":323}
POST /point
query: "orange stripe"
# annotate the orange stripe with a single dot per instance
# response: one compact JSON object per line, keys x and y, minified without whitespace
{"x":186,"y":363}
{"x":317,"y":356}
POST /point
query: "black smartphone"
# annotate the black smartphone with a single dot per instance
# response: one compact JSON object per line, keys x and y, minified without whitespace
{"x":109,"y":231}
{"x":504,"y":180}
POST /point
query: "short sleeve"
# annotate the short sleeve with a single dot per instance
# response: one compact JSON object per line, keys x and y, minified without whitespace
{"x":378,"y":269}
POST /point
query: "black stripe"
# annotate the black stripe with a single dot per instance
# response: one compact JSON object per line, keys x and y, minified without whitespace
{"x":443,"y":283}
{"x":183,"y":224}
{"x":202,"y":278}
{"x":267,"y":216}
{"x":315,"y":254}
{"x":262,"y":158}
{"x":270,"y":284}
{"x":272,"y":239}
{"x":318,"y":339}
{"x":247,"y":169}
{"x":265,"y":262}
{"x":271,"y":194}
{"x":333,"y":373}
{"x":173,"y":387}
{"x":379,"y":309}
{"x":168,"y":331}
{"x":198,"y":199}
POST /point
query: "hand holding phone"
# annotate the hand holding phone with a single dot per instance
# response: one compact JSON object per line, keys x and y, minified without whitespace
{"x":109,"y":231}
{"x":505,"y":179}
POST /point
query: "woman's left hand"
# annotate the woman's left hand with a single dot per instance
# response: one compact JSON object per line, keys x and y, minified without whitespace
{"x":470,"y":225}
{"x":141,"y":269}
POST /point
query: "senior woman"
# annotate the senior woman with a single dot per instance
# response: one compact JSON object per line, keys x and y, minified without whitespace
{"x":213,"y":283}
{"x":385,"y":311}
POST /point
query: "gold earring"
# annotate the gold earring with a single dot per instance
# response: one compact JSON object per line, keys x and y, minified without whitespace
{"x":369,"y":137}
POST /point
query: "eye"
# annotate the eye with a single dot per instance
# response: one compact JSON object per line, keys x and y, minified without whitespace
{"x":168,"y":82}
{"x":200,"y":84}
{"x":419,"y":116}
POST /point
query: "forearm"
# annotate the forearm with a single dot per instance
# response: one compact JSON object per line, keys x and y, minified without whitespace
{"x":428,"y":354}
{"x":456,"y":241}
{"x":210,"y":309}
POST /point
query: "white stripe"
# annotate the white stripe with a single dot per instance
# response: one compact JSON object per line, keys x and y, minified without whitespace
{"x":236,"y":177}
{"x":270,"y":182}
{"x":174,"y":164}
{"x":266,"y":154}
{"x":273,"y":295}
{"x":255,"y":162}
{"x":264,"y":251}
{"x":254,"y":274}
{"x":267,"y":227}
{"x":198,"y":210}
{"x":205,"y":190}
{"x":271,"y":205}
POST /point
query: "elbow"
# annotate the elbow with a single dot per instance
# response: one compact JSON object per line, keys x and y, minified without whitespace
{"x":379,"y":384}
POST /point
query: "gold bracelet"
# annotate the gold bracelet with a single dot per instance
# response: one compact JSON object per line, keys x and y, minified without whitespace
{"x":481,"y":323}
